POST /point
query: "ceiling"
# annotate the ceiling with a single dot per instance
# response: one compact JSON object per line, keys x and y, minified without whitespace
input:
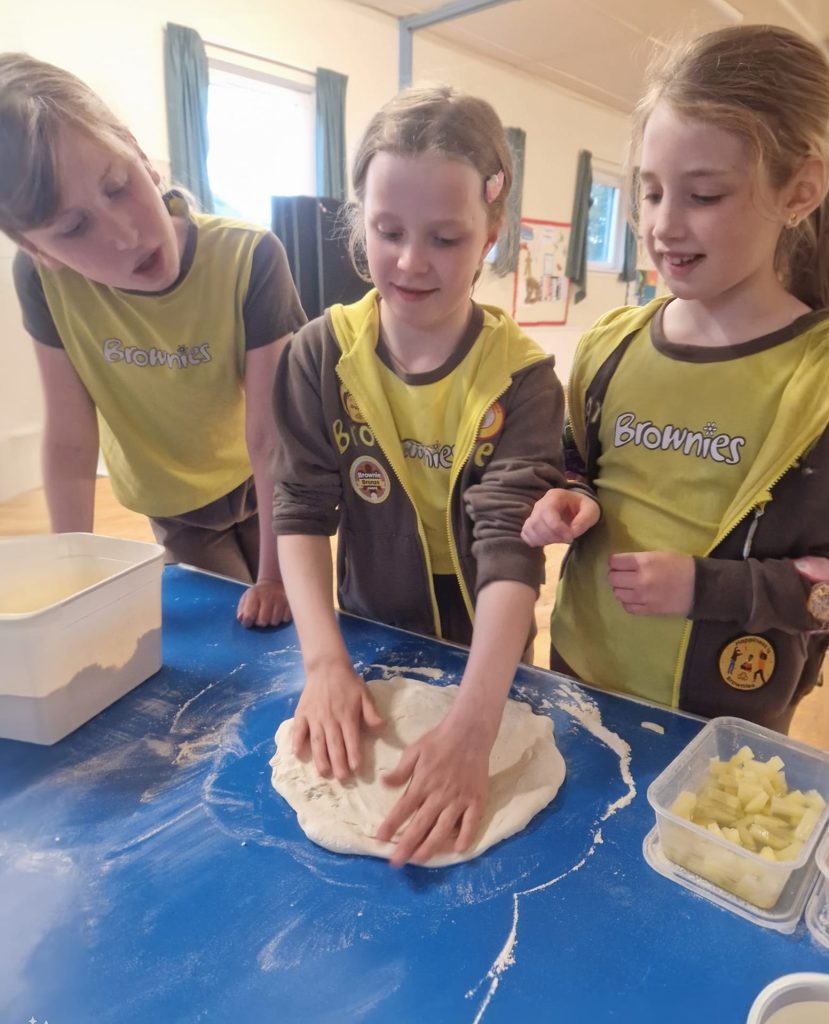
{"x":598,"y":48}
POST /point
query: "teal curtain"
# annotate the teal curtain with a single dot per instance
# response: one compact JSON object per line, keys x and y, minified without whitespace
{"x":331,"y":179}
{"x":628,"y":272}
{"x":576,"y":266}
{"x":185,"y":85}
{"x":506,"y":255}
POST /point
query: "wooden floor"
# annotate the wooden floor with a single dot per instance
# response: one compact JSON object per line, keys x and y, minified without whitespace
{"x":27,"y":514}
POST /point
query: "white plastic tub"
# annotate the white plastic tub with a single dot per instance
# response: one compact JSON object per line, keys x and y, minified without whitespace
{"x":793,"y":999}
{"x":80,"y":626}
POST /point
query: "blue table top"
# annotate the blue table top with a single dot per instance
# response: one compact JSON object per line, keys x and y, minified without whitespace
{"x":149,"y":872}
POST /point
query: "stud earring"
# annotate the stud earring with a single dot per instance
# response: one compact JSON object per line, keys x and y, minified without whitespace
{"x":793,"y":220}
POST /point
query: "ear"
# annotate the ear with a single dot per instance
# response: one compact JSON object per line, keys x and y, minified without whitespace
{"x":806,"y":189}
{"x":39,"y":257}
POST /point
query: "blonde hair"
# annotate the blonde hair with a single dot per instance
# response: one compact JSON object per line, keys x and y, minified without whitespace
{"x":36,"y":100}
{"x":770,"y":88}
{"x":434,"y":119}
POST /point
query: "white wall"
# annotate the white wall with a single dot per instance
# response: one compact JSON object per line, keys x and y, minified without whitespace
{"x":119,"y":53}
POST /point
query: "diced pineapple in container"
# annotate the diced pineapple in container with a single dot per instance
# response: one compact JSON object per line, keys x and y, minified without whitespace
{"x":743,"y":807}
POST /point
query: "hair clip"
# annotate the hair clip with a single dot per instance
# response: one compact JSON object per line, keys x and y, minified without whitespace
{"x":493,"y":185}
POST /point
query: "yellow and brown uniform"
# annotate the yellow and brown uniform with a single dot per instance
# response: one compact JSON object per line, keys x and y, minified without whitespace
{"x":720,"y":453}
{"x":344,"y":464}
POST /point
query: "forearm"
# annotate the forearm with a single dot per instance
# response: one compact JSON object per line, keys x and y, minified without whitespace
{"x":70,"y":443}
{"x":262,"y":439}
{"x":268,"y":568}
{"x":308,"y":578}
{"x":69,"y":483}
{"x":503,"y":616}
{"x":759,"y":594}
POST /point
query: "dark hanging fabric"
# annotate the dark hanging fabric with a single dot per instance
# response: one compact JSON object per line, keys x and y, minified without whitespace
{"x":318,"y":257}
{"x":185,"y":86}
{"x":628,"y":272}
{"x":576,"y":265}
{"x":330,"y":93}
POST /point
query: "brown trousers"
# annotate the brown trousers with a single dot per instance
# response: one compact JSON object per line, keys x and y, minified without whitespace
{"x":222,"y":537}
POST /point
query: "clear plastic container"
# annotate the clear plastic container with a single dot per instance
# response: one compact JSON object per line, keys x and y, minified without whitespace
{"x":753,"y":879}
{"x":817,"y":911}
{"x":80,"y":625}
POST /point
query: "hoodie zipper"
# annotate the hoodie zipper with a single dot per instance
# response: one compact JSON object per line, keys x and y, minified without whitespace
{"x":453,"y":550}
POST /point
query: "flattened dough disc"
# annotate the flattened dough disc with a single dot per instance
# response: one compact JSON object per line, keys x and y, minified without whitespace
{"x":525,"y":772}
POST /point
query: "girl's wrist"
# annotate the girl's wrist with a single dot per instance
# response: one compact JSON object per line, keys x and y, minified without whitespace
{"x":473,"y":721}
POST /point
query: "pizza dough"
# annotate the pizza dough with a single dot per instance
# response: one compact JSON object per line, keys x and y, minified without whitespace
{"x":525,"y":772}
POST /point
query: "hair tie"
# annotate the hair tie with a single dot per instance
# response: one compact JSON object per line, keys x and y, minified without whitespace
{"x":492,"y":186}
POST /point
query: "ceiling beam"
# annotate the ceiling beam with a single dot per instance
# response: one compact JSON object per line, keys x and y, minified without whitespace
{"x":409,"y":25}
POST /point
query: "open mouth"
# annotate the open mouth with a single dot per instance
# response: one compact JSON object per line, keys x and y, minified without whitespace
{"x":150,"y":263}
{"x":680,"y":263}
{"x":413,"y":294}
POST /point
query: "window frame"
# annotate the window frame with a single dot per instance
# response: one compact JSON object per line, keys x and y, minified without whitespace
{"x":612,"y":177}
{"x":248,"y":69}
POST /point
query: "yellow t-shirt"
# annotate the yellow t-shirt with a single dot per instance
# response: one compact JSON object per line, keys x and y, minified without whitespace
{"x":427,"y":410}
{"x":166,"y":371}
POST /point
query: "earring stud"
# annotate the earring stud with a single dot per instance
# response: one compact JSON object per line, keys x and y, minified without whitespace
{"x":793,"y":220}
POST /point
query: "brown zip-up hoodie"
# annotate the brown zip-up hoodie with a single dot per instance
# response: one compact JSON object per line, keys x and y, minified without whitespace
{"x":340,"y":464}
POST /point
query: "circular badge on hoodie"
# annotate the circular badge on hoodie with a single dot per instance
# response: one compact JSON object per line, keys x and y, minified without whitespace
{"x":351,"y":406}
{"x":492,"y":422}
{"x":370,"y":480}
{"x":747,"y":663}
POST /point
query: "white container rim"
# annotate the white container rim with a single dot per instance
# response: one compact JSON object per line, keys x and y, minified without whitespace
{"x":139,"y":552}
{"x":789,"y":989}
{"x":822,"y":856}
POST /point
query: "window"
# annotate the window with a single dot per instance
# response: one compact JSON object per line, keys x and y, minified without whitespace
{"x":261,"y":132}
{"x":606,"y":223}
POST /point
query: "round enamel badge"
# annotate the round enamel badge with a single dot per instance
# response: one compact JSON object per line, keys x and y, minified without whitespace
{"x":370,"y":480}
{"x":747,"y":663}
{"x":492,"y":422}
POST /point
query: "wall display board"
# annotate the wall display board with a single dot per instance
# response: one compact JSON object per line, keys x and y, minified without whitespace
{"x":541,"y":293}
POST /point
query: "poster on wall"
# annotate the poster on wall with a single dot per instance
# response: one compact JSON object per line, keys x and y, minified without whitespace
{"x":541,"y":293}
{"x":645,"y":286}
{"x":642,"y":288}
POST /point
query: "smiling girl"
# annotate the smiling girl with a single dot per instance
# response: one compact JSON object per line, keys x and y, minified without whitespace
{"x":156,"y":330}
{"x":424,"y":426}
{"x":701,"y":419}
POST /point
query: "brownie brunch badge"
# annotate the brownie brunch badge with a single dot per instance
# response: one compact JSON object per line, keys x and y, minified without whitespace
{"x":370,"y":480}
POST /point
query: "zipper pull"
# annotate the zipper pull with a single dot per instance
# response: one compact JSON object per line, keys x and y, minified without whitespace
{"x":758,"y":512}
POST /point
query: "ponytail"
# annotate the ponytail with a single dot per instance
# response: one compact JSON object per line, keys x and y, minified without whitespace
{"x":803,"y":258}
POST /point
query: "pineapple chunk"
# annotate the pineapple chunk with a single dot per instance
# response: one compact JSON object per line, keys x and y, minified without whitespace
{"x":806,"y":824}
{"x":756,"y":803}
{"x":747,"y":802}
{"x":685,"y":804}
